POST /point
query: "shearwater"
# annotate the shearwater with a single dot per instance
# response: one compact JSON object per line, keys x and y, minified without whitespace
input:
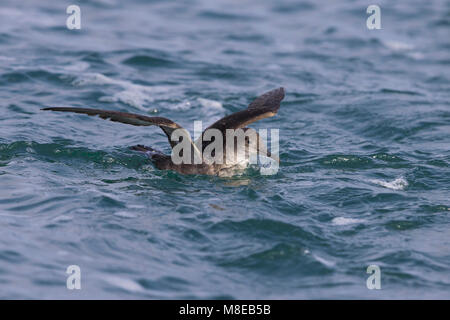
{"x":217,"y":161}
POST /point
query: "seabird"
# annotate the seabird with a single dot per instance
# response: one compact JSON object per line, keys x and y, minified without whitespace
{"x":264,"y":106}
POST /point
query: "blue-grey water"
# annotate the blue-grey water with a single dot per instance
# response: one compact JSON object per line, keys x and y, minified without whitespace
{"x":364,"y":146}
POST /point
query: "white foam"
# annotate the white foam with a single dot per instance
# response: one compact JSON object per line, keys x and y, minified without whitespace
{"x":341,"y":221}
{"x":62,"y":218}
{"x":77,"y":66}
{"x":3,"y":58}
{"x":125,"y":284}
{"x":125,"y":214}
{"x":416,"y":55}
{"x":135,"y":95}
{"x":397,"y":184}
{"x":398,"y":45}
{"x":132,"y":98}
{"x":99,"y":79}
{"x":210,"y":104}
{"x":407,"y":48}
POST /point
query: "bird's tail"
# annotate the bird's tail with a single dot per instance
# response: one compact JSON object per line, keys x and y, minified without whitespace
{"x":149,"y":151}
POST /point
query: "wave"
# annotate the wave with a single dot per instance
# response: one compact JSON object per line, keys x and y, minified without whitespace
{"x":342,"y":221}
{"x":397,"y":184}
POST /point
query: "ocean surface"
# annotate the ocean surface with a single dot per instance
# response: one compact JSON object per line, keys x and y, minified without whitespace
{"x":364,"y":134}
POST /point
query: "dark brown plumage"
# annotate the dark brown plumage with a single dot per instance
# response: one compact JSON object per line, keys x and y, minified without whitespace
{"x":264,"y":106}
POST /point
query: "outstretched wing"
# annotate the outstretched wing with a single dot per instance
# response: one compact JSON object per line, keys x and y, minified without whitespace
{"x":167,"y":125}
{"x":264,"y":106}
